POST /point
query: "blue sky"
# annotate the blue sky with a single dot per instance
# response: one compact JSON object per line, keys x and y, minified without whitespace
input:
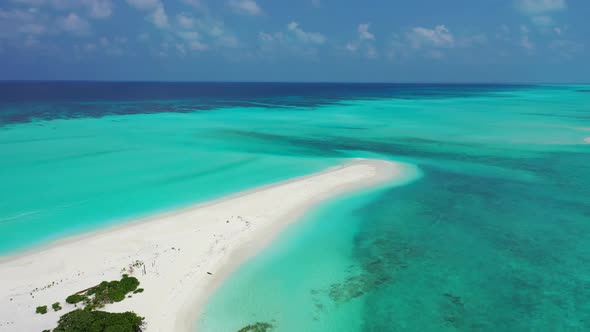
{"x":296,"y":40}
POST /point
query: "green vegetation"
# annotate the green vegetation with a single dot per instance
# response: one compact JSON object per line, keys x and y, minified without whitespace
{"x":84,"y":320}
{"x":89,"y":319}
{"x":112,"y":291}
{"x":106,"y":292}
{"x":257,"y":327}
{"x":41,"y":310}
{"x":75,"y":298}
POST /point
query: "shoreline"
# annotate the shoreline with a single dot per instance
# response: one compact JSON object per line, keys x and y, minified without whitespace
{"x":186,"y":253}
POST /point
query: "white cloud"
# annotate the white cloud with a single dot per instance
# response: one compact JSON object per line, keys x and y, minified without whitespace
{"x":197,"y":45}
{"x":197,"y":4}
{"x":185,"y":20}
{"x":143,"y":37}
{"x":159,"y":17}
{"x":33,"y":29}
{"x":115,"y":46}
{"x":542,"y":20}
{"x":316,"y":3}
{"x":229,"y":41}
{"x":144,"y":4}
{"x":536,"y":7}
{"x":210,"y":30}
{"x":525,"y":40}
{"x":305,"y":37}
{"x":31,"y":2}
{"x":560,"y":30}
{"x":504,"y":33}
{"x":245,"y":7}
{"x":364,"y":33}
{"x":16,"y":15}
{"x":162,"y":51}
{"x":474,"y":40}
{"x":567,"y":48}
{"x":74,"y":24}
{"x":90,"y":47}
{"x":189,"y":35}
{"x":218,"y":34}
{"x":17,"y":20}
{"x":435,"y":54}
{"x":25,"y":28}
{"x":194,"y":3}
{"x":100,"y":8}
{"x":371,"y":52}
{"x":440,"y":36}
{"x":436,"y":43}
{"x":539,"y":11}
{"x":201,"y":34}
{"x":293,"y":41}
{"x":268,"y":37}
{"x":31,"y":42}
{"x":364,"y":41}
{"x":181,"y":49}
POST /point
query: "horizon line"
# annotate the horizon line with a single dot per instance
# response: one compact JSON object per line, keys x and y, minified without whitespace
{"x":284,"y":82}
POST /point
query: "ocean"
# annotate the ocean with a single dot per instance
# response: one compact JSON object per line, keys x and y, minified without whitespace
{"x":492,"y":235}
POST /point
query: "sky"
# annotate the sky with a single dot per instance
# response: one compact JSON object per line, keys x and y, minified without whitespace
{"x":296,"y":40}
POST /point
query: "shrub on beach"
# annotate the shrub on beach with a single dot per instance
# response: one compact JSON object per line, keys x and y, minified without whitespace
{"x":75,"y":298}
{"x":89,"y":319}
{"x":83,"y":320}
{"x":112,"y":291}
{"x":106,"y":292}
{"x":41,"y":310}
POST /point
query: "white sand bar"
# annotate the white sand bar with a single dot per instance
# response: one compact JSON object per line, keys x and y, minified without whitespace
{"x":178,"y":250}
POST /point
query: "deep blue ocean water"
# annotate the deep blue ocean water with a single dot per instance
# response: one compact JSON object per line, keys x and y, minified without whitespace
{"x":27,"y":101}
{"x":495,"y":235}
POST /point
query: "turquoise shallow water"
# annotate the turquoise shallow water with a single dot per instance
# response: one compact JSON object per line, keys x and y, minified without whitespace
{"x":495,"y":235}
{"x":62,"y":177}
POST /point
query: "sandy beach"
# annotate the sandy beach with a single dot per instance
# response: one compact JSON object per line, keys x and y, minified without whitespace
{"x":183,"y":255}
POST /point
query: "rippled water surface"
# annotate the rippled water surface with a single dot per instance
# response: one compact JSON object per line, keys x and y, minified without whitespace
{"x":493,"y":236}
